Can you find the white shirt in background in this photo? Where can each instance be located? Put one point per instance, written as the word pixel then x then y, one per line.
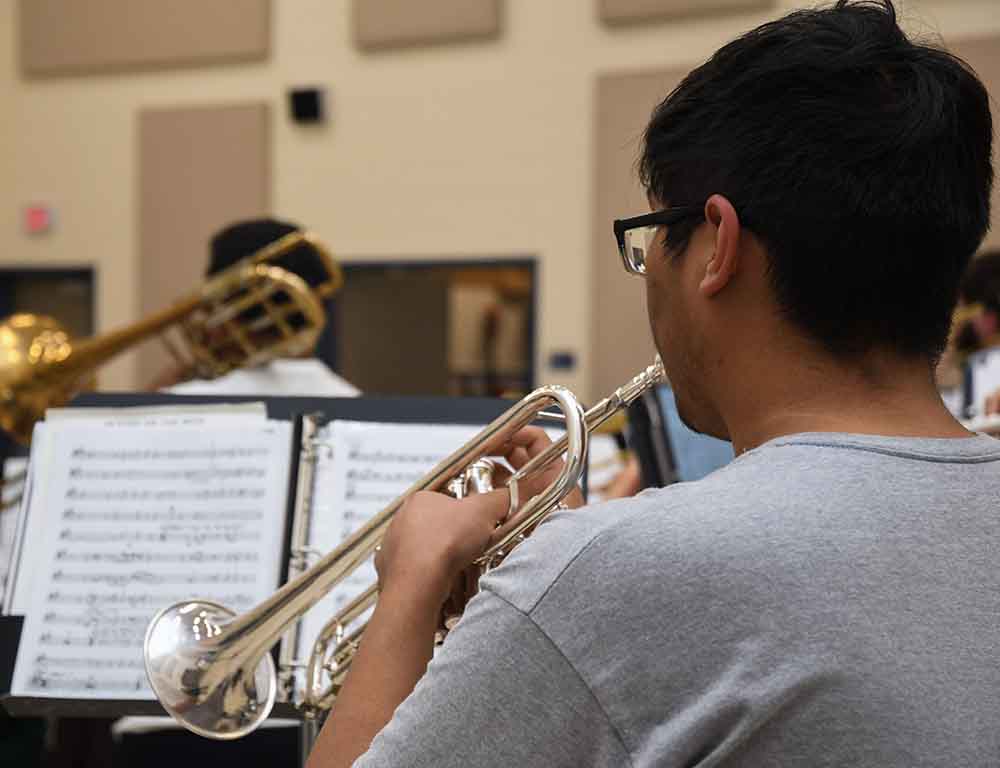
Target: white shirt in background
pixel 306 377
pixel 985 368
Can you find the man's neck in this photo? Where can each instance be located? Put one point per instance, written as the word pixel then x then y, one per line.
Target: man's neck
pixel 883 398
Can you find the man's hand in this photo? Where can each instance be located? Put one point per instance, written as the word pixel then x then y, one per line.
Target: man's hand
pixel 434 537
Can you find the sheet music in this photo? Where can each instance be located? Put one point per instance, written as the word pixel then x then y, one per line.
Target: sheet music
pixel 130 521
pixel 363 467
pixel 194 415
pixel 14 470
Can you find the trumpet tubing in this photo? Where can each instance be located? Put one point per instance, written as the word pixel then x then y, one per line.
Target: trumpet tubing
pixel 213 671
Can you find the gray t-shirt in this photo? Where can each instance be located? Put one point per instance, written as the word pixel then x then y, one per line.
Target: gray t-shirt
pixel 824 600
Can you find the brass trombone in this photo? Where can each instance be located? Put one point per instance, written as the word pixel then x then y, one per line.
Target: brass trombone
pixel 212 669
pixel 247 314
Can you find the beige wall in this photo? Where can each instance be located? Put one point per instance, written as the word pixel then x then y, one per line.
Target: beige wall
pixel 451 150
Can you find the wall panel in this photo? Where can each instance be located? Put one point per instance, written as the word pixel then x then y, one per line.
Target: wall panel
pixel 72 37
pixel 634 11
pixel 200 169
pixel 394 23
pixel 620 334
pixel 983 54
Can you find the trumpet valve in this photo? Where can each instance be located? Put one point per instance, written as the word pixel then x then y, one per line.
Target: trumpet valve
pixel 476 478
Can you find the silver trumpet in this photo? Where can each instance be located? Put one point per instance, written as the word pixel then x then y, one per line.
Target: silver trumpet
pixel 211 669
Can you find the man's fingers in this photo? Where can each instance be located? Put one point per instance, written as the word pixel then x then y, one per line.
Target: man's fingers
pixel 521 448
pixel 490 507
pixel 525 444
pixel 517 457
pixel 528 435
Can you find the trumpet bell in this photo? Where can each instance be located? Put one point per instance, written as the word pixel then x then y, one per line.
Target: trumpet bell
pixel 199 683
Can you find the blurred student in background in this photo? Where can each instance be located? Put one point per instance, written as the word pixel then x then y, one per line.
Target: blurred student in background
pixel 307 376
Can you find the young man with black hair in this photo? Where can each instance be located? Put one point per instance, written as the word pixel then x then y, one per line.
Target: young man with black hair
pixel 831 597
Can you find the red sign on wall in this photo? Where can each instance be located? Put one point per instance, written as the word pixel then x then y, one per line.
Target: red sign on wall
pixel 38 219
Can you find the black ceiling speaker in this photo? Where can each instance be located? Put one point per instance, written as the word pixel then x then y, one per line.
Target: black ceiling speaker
pixel 306 105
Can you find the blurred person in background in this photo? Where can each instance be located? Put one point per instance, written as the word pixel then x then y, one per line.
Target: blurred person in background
pixel 968 374
pixel 978 336
pixel 307 376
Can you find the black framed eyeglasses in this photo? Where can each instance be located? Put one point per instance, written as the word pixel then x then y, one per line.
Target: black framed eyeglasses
pixel 635 235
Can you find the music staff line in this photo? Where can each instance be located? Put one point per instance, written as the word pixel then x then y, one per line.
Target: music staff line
pixel 189 538
pixel 215 494
pixel 65 556
pixel 93 620
pixel 168 515
pixel 103 637
pixel 152 454
pixel 117 599
pixel 372 475
pixel 145 577
pixel 91 683
pixel 378 456
pixel 373 497
pixel 77 662
pixel 188 475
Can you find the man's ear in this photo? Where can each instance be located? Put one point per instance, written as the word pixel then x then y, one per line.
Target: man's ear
pixel 724 262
